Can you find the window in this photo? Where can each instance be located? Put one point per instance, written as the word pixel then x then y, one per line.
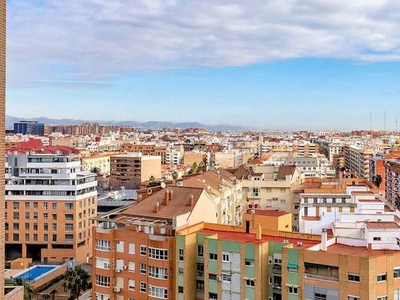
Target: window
pixel 45 237
pixel 156 253
pixel 131 249
pixel 69 206
pixel 225 257
pixel 69 237
pixel 158 292
pixel 381 277
pixel 27 205
pixel 353 298
pixel 131 266
pixel 27 226
pixel 396 273
pixel 143 250
pixel 200 267
pixel 213 256
pixel 16 216
pixel 54 226
pixel 249 263
pixel 200 285
pixel 35 226
pixel 212 276
pixel 16 205
pixel 329 209
pixel 250 282
pixel 143 287
pixel 102 280
pixel 69 217
pixel 35 237
pixel 212 296
pixel 69 227
pixel 181 252
pixel 200 250
pixel 45 226
pixel 156 272
pixel 27 216
pixel 283 201
pixel 102 245
pixel 318 296
pixel 353 277
pixel 180 289
pixel 180 271
pixel 15 237
pixel 382 298
pixel 292 290
pixel 377 238
pixel 45 205
pixel 396 294
pixel 131 284
pixel 143 268
pixel 26 237
pixel 15 226
pixel 54 205
pixel 45 216
pixel 54 237
pixel 35 205
pixel 226 277
pixel 54 216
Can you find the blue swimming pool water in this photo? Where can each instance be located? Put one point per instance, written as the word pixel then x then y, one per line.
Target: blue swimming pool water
pixel 35 272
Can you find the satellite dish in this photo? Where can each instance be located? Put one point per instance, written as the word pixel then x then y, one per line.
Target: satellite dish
pixel 163 185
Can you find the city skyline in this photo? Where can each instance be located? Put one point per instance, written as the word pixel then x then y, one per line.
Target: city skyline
pixel 263 65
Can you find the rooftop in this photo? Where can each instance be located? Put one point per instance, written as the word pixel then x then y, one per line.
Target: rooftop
pixel 382 225
pixel 357 251
pixel 251 238
pixel 270 213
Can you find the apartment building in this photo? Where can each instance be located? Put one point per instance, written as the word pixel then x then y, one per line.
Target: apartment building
pixel 189 158
pixel 358 158
pixel 224 262
pixel 331 149
pixel 99 162
pixel 392 180
pixel 226 192
pixel 377 167
pixel 146 149
pixel 134 250
pixel 311 167
pixel 130 169
pixel 270 187
pixel 305 149
pixel 323 202
pixel 49 203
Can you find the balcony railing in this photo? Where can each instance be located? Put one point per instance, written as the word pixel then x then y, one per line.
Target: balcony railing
pixel 321 277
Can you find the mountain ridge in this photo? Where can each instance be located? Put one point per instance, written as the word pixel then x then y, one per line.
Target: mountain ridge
pixel 10 120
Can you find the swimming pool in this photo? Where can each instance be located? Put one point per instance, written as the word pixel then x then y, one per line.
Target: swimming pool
pixel 35 272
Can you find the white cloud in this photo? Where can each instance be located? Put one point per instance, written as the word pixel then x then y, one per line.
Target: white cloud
pixel 95 39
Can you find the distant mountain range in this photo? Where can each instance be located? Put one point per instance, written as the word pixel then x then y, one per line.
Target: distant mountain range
pixel 10 120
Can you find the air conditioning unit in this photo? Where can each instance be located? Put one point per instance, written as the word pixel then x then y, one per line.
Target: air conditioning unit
pixel 219 278
pixel 124 267
pixel 117 270
pixel 117 289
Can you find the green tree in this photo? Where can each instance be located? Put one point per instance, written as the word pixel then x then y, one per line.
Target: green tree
pixel 29 291
pixel 175 175
pixel 96 170
pixel 46 297
pixel 76 281
pixel 152 178
pixel 194 167
pixel 377 180
pixel 397 202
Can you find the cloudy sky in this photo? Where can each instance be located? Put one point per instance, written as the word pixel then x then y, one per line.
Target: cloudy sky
pixel 263 63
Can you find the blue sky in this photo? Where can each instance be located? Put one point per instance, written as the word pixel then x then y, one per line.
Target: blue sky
pixel 264 64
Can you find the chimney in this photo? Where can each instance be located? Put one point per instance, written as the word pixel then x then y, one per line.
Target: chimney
pixel 139 197
pixel 171 194
pixel 166 197
pixel 156 208
pixel 191 200
pixel 324 239
pixel 258 232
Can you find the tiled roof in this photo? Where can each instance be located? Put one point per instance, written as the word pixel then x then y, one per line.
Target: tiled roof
pixel 177 206
pixel 286 170
pixel 383 225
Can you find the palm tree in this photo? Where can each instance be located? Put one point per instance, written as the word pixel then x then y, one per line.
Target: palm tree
pixel 397 202
pixel 152 178
pixel 29 291
pixel 76 281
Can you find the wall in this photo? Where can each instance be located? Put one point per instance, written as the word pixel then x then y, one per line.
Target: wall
pixel 150 166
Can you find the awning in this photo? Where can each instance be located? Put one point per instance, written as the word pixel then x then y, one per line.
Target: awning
pixel 292 266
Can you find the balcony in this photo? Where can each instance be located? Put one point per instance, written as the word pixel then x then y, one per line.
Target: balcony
pixel 321 277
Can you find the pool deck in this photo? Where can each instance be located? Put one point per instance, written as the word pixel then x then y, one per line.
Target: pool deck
pixel 13 272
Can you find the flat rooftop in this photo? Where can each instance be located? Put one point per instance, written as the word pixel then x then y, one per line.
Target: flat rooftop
pixel 251 238
pixel 383 225
pixel 357 251
pixel 270 213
